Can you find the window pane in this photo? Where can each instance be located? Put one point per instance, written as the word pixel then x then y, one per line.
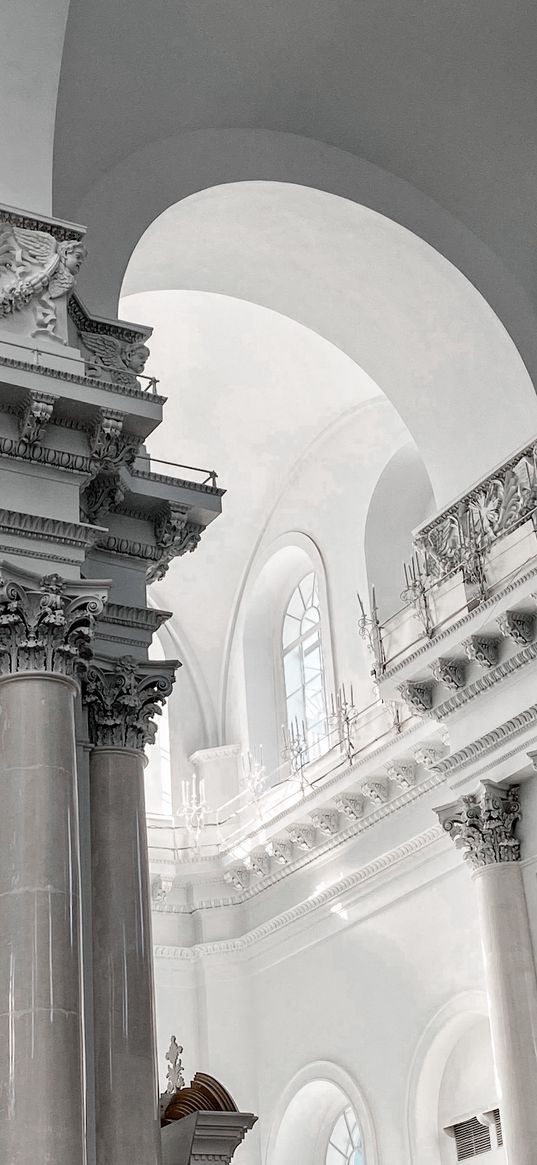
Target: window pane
pixel 291 630
pixel 340 1135
pixel 307 588
pixel 295 707
pixel 335 1156
pixel 293 670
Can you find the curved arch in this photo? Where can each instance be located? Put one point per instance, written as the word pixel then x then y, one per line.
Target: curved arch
pixel 402 498
pixel 434 1047
pixel 257 660
pixel 194 160
pixel 327 1072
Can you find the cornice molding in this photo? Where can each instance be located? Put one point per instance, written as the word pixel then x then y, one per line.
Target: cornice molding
pixel 87 381
pixel 484 682
pixel 220 752
pixel 49 529
pixel 449 632
pixel 367 873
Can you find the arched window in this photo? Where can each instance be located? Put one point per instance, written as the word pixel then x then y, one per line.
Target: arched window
pixel 345 1144
pixel 303 666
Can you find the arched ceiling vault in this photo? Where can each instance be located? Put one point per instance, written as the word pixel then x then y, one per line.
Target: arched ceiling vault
pixel 436 103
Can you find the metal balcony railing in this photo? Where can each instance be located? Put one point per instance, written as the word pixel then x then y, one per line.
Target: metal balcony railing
pixel 38 362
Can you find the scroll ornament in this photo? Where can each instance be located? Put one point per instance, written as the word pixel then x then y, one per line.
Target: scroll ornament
pixel 482 824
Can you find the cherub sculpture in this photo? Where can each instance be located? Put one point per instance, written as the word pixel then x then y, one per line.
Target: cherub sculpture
pixel 123 361
pixel 36 271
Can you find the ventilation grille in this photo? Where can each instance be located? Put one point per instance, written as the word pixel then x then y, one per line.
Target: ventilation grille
pixel 498 1126
pixel 472 1139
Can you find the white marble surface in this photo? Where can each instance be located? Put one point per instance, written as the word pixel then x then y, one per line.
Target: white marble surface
pixel 127 1124
pixel 41 1091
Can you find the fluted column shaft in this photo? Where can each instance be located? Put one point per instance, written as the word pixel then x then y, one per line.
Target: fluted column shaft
pixel 482 825
pixel 122 697
pixel 127 1125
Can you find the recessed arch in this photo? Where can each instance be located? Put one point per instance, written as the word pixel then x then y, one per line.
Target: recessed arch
pixel 308 1105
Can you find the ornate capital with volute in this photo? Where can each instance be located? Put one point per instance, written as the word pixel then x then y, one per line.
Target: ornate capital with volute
pixel 482 824
pixel 122 697
pixel 46 624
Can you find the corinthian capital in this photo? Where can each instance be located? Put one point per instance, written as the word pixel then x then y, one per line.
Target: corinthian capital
pixel 122 697
pixel 46 624
pixel 482 824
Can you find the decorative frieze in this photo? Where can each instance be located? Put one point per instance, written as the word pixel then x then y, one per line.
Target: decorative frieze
pixel 459 535
pixel 123 697
pixel 46 625
pixel 482 824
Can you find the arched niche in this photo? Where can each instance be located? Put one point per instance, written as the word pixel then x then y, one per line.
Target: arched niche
pixel 286 563
pixel 306 1112
pixel 436 1086
pixel 402 499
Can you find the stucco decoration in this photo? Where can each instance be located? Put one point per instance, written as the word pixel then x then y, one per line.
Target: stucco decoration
pixel 37 273
pixel 460 534
pixel 47 626
pixel 175 536
pixel 35 416
pixel 482 824
pixel 123 361
pixel 123 697
pixel 111 448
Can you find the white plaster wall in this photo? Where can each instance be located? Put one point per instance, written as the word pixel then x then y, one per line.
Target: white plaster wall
pixel 359 994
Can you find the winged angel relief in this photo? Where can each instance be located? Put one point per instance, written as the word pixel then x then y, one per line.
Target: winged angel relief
pixel 36 274
pixel 124 362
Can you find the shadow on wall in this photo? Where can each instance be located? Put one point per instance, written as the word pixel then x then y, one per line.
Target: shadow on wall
pixel 403 498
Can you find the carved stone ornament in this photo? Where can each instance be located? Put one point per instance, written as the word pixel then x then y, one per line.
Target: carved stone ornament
pixel 455 538
pixel 37 272
pixel 282 852
pixel 238 877
pixel 175 536
pixel 428 755
pixel 326 821
pixel 122 697
pixel 518 626
pixel 122 361
pixel 451 672
pixel 402 773
pixel 111 449
pixel 303 836
pixel 351 805
pixel 35 416
pixel 46 626
pixel 260 863
pixel 418 696
pixel 483 649
pixel 377 791
pixel 482 824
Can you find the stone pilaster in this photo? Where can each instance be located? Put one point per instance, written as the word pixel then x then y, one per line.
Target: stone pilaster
pixel 46 627
pixel 482 825
pixel 122 697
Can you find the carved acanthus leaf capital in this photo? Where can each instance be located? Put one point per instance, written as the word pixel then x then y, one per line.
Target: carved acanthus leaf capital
pixel 47 625
pixel 482 824
pixel 122 697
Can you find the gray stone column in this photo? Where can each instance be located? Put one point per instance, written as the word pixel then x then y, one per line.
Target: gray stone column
pixel 121 698
pixel 482 824
pixel 44 632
